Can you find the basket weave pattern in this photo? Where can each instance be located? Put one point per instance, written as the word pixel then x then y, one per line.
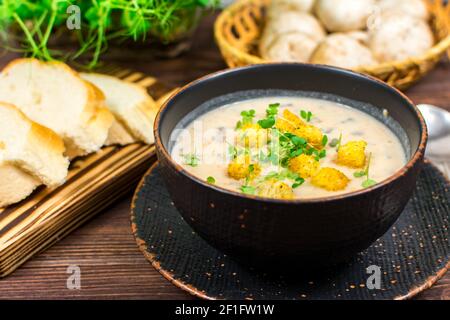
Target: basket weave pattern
pixel 239 28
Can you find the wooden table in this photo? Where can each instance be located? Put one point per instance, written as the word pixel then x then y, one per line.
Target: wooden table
pixel 105 250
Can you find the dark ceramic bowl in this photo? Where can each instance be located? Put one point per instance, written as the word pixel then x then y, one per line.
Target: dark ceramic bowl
pixel 314 231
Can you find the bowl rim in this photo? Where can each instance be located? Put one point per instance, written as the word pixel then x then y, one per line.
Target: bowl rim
pixel 412 162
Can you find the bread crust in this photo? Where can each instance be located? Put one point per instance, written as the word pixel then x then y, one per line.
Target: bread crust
pixel 17 181
pixel 42 134
pixel 95 116
pixel 15 185
pixel 147 109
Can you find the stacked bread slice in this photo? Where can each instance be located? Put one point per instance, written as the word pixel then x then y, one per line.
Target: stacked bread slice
pixel 30 155
pixel 133 108
pixel 49 114
pixel 55 96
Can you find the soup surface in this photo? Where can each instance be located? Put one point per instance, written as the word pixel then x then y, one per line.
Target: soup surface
pixel 288 148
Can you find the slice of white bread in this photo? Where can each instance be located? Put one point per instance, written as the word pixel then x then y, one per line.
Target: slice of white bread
pixel 54 95
pixel 30 155
pixel 117 134
pixel 131 105
pixel 15 184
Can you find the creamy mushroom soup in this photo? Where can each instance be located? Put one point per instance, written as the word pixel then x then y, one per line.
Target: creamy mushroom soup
pixel 288 148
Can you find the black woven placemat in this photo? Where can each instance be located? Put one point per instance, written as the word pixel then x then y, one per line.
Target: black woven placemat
pixel 411 256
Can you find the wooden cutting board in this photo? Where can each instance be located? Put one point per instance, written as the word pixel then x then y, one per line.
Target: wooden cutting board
pixel 94 183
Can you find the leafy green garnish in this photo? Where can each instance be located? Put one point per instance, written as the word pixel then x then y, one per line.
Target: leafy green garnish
pixel 282 175
pixel 359 174
pixel 336 143
pixel 320 154
pixel 232 151
pixel 306 115
pixel 285 146
pixel 267 123
pixel 298 183
pixel 296 153
pixel 211 180
pixel 286 174
pixel 273 109
pixel 191 159
pixel 271 112
pixel 367 183
pixel 297 141
pixel 248 190
pixel 324 140
pixel 247 118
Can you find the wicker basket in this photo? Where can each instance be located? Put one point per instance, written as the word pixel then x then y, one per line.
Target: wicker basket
pixel 239 27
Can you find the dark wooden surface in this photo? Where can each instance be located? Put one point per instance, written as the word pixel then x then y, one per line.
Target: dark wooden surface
pixel 105 250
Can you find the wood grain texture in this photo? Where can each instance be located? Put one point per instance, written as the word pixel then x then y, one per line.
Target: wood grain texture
pixel 111 264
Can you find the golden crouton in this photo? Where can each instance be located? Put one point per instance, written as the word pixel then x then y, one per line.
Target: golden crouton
pixel 292 118
pixel 352 154
pixel 305 166
pixel 242 168
pixel 273 188
pixel 330 179
pixel 288 122
pixel 252 135
pixel 312 134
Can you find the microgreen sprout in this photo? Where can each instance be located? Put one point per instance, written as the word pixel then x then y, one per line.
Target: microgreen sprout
pixel 211 180
pixel 247 118
pixel 336 143
pixel 248 190
pixel 271 112
pixel 232 151
pixel 267 123
pixel 359 174
pixel 191 159
pixel 298 182
pixel 285 146
pixel 306 115
pixel 367 183
pixel 324 140
pixel 273 109
pixel 286 174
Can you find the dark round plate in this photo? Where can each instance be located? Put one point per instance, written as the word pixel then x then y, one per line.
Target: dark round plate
pixel 411 256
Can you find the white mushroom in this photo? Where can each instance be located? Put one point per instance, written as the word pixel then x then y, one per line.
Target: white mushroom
pixel 290 47
pixel 278 6
pixel 291 21
pixel 400 37
pixel 344 15
pixel 415 8
pixel 361 36
pixel 342 50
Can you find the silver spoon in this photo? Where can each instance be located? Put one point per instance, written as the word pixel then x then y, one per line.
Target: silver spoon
pixel 438 123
